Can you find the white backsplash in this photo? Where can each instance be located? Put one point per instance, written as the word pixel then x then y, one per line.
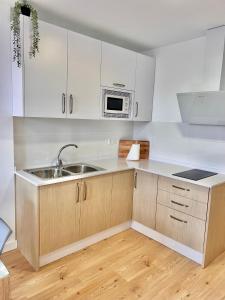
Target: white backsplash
pixel 38 140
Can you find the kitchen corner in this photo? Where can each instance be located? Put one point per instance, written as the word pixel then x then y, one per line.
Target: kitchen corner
pixel 112 182
pixel 118 188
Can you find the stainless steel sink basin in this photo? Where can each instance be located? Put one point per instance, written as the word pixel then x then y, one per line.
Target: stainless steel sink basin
pixel 48 173
pixel 82 168
pixel 69 170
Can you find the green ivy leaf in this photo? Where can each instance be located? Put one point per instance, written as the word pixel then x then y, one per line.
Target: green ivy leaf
pixel 15 28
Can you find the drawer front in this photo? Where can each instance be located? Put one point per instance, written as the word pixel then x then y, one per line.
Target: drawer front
pixel 185 189
pixel 182 204
pixel 180 227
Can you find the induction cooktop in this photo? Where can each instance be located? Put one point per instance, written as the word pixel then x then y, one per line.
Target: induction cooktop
pixel 195 174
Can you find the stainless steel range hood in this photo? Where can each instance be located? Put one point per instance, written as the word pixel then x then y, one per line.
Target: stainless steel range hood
pixel 208 105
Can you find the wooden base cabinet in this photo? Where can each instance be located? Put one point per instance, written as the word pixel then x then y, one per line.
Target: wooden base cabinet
pixel 182 212
pixel 191 207
pixel 59 215
pixel 193 215
pixel 181 227
pixel 53 216
pixel 95 202
pixel 122 197
pixel 144 199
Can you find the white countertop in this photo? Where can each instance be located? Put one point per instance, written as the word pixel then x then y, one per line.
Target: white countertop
pixel 116 165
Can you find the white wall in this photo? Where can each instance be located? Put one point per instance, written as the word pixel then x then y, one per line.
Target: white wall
pixel 7 206
pixel 37 141
pixel 179 68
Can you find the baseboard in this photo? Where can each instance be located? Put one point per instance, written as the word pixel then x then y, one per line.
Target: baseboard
pixel 55 255
pixel 10 245
pixel 162 239
pixel 178 247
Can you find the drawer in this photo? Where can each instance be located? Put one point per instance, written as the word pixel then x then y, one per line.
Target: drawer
pixel 182 204
pixel 184 189
pixel 183 228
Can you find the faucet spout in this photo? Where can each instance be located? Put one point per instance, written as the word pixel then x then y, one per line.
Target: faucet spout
pixel 59 161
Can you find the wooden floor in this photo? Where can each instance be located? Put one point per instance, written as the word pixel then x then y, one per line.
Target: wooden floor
pixel 126 266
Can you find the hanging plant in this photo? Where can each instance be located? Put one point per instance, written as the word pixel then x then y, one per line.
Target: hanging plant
pixel 25 8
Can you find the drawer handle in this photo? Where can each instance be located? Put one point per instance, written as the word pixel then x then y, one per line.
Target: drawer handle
pixel 78 193
pixel 180 188
pixel 85 192
pixel 180 204
pixel 119 84
pixel 71 103
pixel 177 219
pixel 63 103
pixel 136 114
pixel 135 180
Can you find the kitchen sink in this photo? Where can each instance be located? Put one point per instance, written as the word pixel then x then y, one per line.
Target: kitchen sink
pixel 49 173
pixel 69 170
pixel 82 168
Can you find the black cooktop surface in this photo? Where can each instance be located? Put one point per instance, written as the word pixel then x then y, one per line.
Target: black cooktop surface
pixel 195 174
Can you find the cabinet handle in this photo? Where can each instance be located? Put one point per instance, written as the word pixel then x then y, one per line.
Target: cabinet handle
pixel 119 84
pixel 177 219
pixel 135 180
pixel 78 193
pixel 85 192
pixel 63 103
pixel 180 188
pixel 180 204
pixel 136 113
pixel 71 103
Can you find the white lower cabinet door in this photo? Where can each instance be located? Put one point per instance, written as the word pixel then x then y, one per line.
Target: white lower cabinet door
pixel 83 93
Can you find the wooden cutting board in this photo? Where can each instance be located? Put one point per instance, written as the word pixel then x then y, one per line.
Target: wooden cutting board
pixel 125 145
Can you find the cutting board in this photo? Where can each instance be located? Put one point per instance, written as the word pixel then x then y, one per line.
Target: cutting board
pixel 125 145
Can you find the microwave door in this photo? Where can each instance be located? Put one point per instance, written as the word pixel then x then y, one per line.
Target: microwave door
pixel 114 104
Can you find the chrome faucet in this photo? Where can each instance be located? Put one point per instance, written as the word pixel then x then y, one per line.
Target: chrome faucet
pixel 59 161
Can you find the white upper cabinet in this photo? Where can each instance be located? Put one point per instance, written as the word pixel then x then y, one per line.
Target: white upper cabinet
pixel 118 67
pixel 83 92
pixel 64 79
pixel 144 88
pixel 45 75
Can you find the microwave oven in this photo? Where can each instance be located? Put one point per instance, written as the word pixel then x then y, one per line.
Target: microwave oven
pixel 116 103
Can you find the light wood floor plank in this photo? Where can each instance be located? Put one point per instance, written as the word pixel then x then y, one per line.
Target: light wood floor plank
pixel 127 266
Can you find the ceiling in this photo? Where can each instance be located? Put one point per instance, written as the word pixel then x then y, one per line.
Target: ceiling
pixel 135 24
